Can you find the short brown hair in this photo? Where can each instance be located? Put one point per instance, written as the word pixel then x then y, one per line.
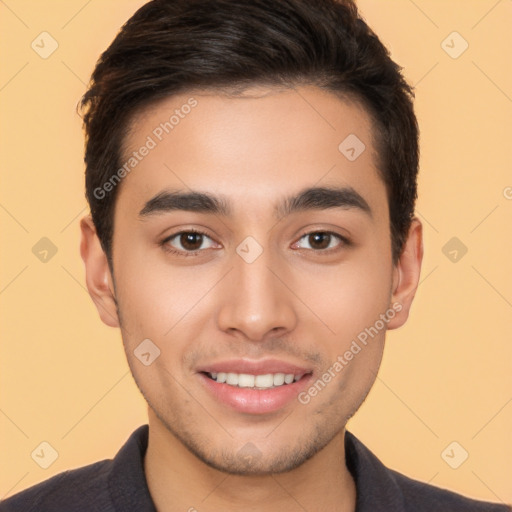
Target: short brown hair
pixel 171 46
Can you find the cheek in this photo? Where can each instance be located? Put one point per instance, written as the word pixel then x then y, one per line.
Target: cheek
pixel 153 297
pixel 350 301
pixel 351 296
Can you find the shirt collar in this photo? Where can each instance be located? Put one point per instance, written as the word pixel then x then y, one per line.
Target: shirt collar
pixel 127 481
pixel 376 488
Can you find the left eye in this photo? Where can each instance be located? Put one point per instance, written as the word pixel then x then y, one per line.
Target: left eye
pixel 321 240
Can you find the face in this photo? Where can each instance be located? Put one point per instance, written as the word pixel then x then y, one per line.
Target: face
pixel 249 249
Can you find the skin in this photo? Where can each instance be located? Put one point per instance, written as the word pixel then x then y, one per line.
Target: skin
pixel 292 303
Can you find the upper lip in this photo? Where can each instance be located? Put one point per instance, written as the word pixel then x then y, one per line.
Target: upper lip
pixel 254 367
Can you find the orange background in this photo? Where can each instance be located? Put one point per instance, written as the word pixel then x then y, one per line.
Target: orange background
pixel 446 375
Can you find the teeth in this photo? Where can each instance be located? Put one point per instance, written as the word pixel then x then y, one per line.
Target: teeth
pixel 245 380
pixel 232 378
pixel 264 381
pixel 278 379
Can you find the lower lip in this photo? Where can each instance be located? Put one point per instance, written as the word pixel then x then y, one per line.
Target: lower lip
pixel 255 401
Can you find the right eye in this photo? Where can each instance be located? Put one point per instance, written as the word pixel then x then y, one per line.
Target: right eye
pixel 186 243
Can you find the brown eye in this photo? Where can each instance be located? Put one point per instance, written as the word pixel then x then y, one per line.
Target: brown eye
pixel 187 242
pixel 319 240
pixel 323 240
pixel 191 241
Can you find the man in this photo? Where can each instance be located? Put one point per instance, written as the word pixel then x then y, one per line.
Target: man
pixel 251 172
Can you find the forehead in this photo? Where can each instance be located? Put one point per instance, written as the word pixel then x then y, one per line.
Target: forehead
pixel 251 147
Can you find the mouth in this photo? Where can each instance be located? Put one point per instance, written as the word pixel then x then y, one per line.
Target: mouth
pixel 246 380
pixel 254 387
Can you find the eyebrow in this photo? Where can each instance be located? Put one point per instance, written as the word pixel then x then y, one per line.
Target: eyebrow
pixel 312 198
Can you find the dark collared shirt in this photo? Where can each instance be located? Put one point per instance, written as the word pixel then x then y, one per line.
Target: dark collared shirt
pixel 119 485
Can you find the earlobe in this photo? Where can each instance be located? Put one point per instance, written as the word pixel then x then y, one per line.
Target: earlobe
pixel 406 274
pixel 97 273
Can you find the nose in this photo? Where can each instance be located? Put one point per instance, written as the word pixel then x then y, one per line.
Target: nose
pixel 256 300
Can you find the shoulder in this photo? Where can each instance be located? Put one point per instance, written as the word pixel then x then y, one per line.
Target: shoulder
pixel 81 489
pixel 107 485
pixel 423 497
pixel 381 488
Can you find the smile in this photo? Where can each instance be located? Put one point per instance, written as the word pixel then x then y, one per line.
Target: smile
pixel 245 380
pixel 254 394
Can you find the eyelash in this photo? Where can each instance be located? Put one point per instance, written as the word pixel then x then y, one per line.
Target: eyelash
pixel 165 243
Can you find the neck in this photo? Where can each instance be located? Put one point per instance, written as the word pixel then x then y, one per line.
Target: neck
pixel 179 481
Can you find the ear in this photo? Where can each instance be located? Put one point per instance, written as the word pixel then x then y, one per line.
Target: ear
pixel 406 274
pixel 97 273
